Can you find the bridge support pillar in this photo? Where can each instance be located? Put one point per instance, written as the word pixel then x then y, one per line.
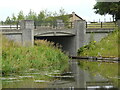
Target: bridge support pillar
pixel 27 27
pixel 80 31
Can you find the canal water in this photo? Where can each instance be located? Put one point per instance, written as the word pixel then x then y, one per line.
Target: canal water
pixel 76 77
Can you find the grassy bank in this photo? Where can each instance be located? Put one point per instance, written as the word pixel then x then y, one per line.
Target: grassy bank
pixel 107 47
pixel 44 56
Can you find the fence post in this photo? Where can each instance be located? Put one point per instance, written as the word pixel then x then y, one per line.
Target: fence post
pixel 101 24
pixel 86 24
pixel 10 24
pixel 27 27
pixel 71 25
pixel 17 25
pixel 35 25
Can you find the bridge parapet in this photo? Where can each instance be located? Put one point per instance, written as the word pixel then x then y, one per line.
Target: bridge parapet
pixel 53 25
pixel 54 32
pixel 11 30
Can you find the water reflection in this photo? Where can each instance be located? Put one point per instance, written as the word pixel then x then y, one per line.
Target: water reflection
pixel 75 78
pixel 78 73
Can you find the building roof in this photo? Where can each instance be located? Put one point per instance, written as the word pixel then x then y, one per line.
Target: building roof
pixel 73 13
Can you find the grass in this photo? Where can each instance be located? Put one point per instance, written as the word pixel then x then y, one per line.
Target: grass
pixel 44 56
pixel 107 47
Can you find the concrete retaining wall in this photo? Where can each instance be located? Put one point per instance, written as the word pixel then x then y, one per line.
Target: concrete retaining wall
pixel 15 37
pixel 24 36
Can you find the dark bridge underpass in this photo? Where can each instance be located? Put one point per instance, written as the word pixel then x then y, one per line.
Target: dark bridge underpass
pixel 67 43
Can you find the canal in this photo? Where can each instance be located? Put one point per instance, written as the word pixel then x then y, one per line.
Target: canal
pixel 77 77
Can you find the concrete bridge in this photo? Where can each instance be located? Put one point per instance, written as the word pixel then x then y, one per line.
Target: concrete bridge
pixel 70 39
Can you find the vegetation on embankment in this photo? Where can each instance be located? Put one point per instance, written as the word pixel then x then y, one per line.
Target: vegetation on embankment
pixel 107 47
pixel 44 56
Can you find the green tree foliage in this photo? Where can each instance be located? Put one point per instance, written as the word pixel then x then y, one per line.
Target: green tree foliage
pixel 63 15
pixel 112 8
pixel 13 19
pixel 41 16
pixel 31 16
pixel 20 16
pixel 8 20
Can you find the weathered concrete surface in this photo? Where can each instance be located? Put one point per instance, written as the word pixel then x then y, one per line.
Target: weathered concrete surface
pixel 27 27
pixel 80 29
pixel 54 32
pixel 17 37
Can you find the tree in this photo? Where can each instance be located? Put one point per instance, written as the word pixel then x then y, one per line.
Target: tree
pixel 63 15
pixel 31 16
pixel 8 20
pixel 41 16
pixel 112 8
pixel 20 16
pixel 13 19
pixel 62 11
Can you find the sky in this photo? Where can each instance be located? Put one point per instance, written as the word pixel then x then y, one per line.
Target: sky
pixel 83 8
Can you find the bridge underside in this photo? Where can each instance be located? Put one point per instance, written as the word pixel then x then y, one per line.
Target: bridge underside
pixel 67 42
pixel 54 33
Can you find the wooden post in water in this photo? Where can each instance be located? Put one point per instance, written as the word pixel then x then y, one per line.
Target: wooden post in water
pixel 101 24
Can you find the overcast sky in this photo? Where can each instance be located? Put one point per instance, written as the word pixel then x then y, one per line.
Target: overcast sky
pixel 83 8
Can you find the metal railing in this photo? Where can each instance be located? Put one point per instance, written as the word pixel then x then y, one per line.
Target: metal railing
pixel 10 25
pixel 101 25
pixel 53 25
